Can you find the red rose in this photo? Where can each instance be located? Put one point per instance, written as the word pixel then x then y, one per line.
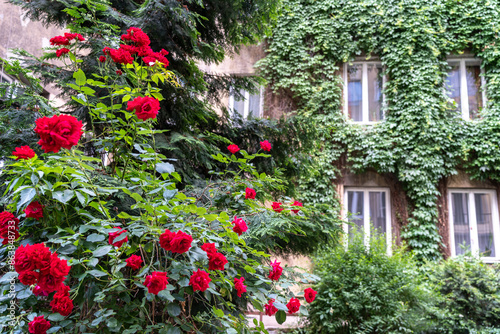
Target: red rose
pixel 61 303
pixel 163 52
pixel 106 50
pixel 296 203
pixel 145 107
pixel 41 256
pixel 61 52
pixel 156 282
pixel 209 248
pixel 22 259
pixel 250 193
pixel 240 287
pixel 34 210
pixel 120 56
pixel 265 145
pixel 216 261
pixel 59 40
pixel 39 325
pixel 28 277
pixel 137 36
pixel 233 148
pixel 49 282
pixel 152 57
pixel 80 37
pixel 199 280
pixel 181 243
pixel 58 267
pixel 102 59
pixel 270 308
pixel 23 152
pixel 310 295
pixel 134 262
pixel 114 235
pixel 71 36
pixel 58 131
pixel 275 273
pixel 38 291
pixel 239 226
pixel 293 305
pixel 119 72
pixel 166 240
pixel 9 227
pixel 277 206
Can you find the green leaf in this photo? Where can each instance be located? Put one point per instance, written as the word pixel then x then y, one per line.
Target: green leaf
pixel 63 196
pixel 67 249
pixel 174 309
pixel 101 251
pixel 27 195
pixel 97 273
pixel 94 237
pixel 80 77
pixel 56 317
pixel 280 317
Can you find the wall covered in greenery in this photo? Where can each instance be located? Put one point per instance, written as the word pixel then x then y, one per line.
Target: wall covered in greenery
pixel 421 141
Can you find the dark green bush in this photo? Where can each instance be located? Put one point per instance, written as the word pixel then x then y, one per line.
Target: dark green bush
pixel 469 296
pixel 362 290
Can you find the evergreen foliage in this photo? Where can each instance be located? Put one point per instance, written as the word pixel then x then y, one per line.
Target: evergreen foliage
pixel 421 141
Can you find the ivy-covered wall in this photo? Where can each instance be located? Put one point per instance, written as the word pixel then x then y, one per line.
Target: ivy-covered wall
pixel 422 141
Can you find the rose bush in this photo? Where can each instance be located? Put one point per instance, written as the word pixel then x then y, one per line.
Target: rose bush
pixel 173 261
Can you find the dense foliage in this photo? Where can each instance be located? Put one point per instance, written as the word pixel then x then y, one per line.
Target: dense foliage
pixel 421 141
pixel 362 290
pixel 118 247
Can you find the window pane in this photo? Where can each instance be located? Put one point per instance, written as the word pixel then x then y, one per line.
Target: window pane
pixel 377 211
pixel 460 204
pixel 484 224
pixel 374 92
pixel 453 84
pixel 254 105
pixel 355 92
pixel 355 207
pixel 239 104
pixel 474 89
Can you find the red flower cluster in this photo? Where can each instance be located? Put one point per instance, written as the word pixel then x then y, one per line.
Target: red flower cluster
pixel 200 280
pixel 270 308
pixel 296 203
pixel 23 152
pixel 216 261
pixel 239 225
pixel 35 264
pixel 179 242
pixel 293 305
pixel 64 40
pixel 114 235
pixel 34 210
pixel 134 262
pixel 240 287
pixel 275 273
pixel 145 107
pixel 250 193
pixel 265 145
pixel 233 148
pixel 39 325
pixel 277 206
pixel 310 295
pixel 139 45
pixel 58 131
pixel 61 303
pixel 9 226
pixel 156 282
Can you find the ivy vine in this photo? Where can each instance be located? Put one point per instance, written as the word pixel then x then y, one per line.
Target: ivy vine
pixel 421 141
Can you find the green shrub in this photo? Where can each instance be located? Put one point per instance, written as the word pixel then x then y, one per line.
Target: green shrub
pixel 362 290
pixel 470 296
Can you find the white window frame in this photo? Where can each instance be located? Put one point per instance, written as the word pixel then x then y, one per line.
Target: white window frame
pixel 464 94
pixel 364 89
pixel 246 106
pixel 473 221
pixel 366 214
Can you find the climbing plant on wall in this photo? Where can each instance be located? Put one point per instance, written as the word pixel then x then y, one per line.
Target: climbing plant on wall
pixel 421 140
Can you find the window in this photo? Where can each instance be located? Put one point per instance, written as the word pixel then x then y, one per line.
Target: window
pixel 464 85
pixel 474 223
pixel 250 104
pixel 363 92
pixel 369 206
